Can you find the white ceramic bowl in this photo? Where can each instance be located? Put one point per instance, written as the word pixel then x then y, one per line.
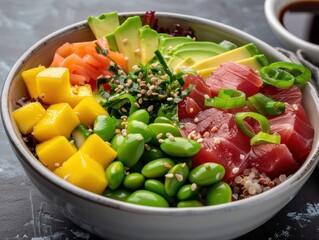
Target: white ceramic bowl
pixel 113 219
pixel 290 41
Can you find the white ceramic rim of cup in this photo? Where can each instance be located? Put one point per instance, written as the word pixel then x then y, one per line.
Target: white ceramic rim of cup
pixel 41 170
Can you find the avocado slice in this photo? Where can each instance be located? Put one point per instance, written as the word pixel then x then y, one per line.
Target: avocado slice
pixel 198 45
pixel 112 42
pixel 239 53
pixel 127 38
pixel 186 63
pixel 149 43
pixel 167 43
pixel 256 63
pixel 197 55
pixel 103 24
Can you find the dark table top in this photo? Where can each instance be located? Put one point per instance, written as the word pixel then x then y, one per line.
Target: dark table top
pixel 24 213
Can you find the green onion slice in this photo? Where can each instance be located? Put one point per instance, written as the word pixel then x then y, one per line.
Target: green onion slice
pixel 262 120
pixel 301 73
pixel 263 138
pixel 227 98
pixel 265 105
pixel 276 77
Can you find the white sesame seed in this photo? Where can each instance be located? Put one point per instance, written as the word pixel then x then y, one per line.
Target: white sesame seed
pixel 147 147
pixel 66 177
pixel 169 175
pixel 206 96
pixel 191 110
pixel 196 120
pixel 160 140
pixel 150 108
pixel 179 177
pixel 193 187
pixel 217 140
pixel 158 136
pixel 137 51
pixel 200 140
pixel 125 40
pixel 183 164
pixel 167 165
pixel 137 105
pixel 57 164
pixel 171 138
pixel 139 138
pixel 242 156
pixel 170 99
pixel 295 107
pixel 206 134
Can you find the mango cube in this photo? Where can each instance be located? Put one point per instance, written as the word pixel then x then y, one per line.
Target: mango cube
pixel 54 152
pixel 88 109
pixel 28 116
pixel 54 84
pixel 84 172
pixel 60 120
pixel 95 147
pixel 29 78
pixel 78 93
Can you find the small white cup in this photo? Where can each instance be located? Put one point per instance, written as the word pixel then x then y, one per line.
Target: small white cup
pixel 273 9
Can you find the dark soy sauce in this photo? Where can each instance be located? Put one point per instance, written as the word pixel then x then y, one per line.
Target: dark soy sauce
pixel 302 20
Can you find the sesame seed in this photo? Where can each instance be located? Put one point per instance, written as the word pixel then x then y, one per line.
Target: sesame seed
pixel 193 187
pixel 136 68
pixel 167 165
pixel 217 140
pixel 207 165
pixel 214 129
pixel 72 142
pixel 179 177
pixel 57 164
pixel 191 110
pixel 196 120
pixel 160 140
pixel 140 100
pixel 123 110
pixel 147 147
pixel 295 107
pixel 242 156
pixel 158 136
pixel 206 134
pixel 183 164
pixel 150 108
pixel 171 138
pixel 282 177
pixel 137 51
pixel 161 96
pixel 170 99
pixel 206 96
pixel 200 140
pixel 126 58
pixel 137 105
pixel 149 92
pixel 169 175
pixel 143 91
pixel 125 40
pixel 66 177
pixel 139 138
pixel 235 170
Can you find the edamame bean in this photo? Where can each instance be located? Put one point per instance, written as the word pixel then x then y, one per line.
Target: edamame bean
pixel 162 130
pixel 188 191
pixel 104 126
pixel 180 147
pixel 175 178
pixel 147 198
pixel 156 186
pixel 115 174
pixel 140 115
pixel 207 174
pixel 134 181
pixel 162 119
pixel 117 141
pixel 189 203
pixel 219 193
pixel 152 153
pixel 131 149
pixel 118 194
pixel 135 126
pixel 157 168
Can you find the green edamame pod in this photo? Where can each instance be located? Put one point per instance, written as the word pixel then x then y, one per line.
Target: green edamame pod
pixel 162 130
pixel 115 174
pixel 218 193
pixel 189 203
pixel 131 149
pixel 188 191
pixel 152 153
pixel 157 168
pixel 162 119
pixel 135 126
pixel 175 178
pixel 158 187
pixel 140 115
pixel 118 194
pixel 134 181
pixel 180 147
pixel 117 141
pixel 104 126
pixel 207 174
pixel 147 198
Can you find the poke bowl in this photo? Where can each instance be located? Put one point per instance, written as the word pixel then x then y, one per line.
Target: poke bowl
pixel 88 205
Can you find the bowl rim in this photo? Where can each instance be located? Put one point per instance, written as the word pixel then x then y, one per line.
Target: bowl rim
pixel 272 15
pixel 26 156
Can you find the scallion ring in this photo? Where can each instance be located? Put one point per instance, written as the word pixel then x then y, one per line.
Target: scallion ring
pixel 276 77
pixel 301 73
pixel 227 98
pixel 263 138
pixel 262 120
pixel 265 105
